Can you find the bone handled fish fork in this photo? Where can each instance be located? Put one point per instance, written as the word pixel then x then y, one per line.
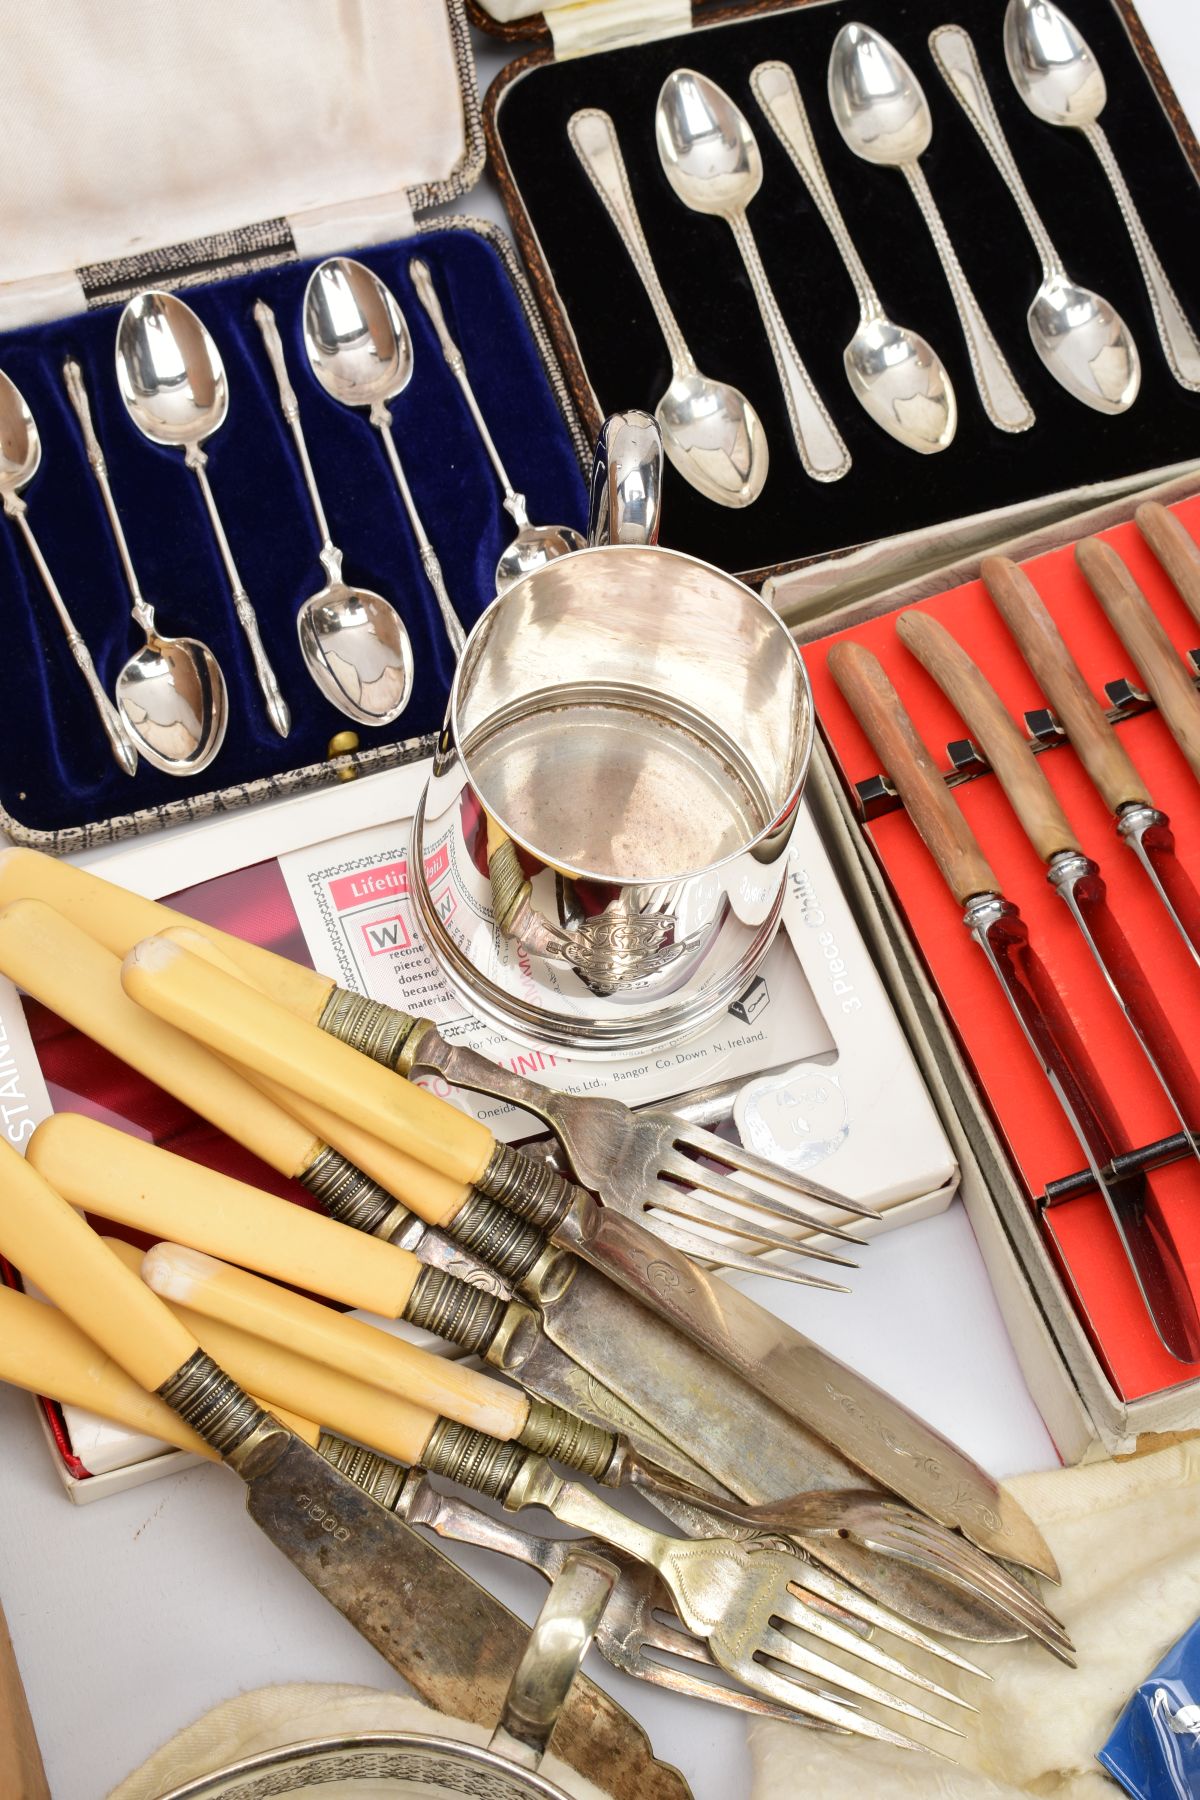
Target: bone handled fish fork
pixel 630 1630
pixel 637 1162
pixel 724 1592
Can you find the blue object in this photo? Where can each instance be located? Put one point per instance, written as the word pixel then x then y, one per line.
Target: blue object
pixel 56 770
pixel 1154 1750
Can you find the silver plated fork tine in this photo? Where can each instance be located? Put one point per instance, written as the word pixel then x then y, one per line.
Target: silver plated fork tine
pixel 686 1204
pixel 781 1648
pixel 708 1250
pixel 832 1587
pixel 955 1554
pixel 686 1169
pixel 736 1156
pixel 701 1687
pixel 779 1683
pixel 792 1610
pixel 1018 1604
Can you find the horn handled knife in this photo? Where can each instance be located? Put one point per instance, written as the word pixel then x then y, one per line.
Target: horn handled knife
pixel 997 927
pixel 457 1646
pixel 1157 660
pixel 1175 548
pixel 1140 824
pixel 1073 875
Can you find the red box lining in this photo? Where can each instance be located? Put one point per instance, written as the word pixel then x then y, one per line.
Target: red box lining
pixel 1039 1139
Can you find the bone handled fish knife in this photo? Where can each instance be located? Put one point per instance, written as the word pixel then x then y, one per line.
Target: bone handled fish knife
pixel 864 1424
pixel 1140 823
pixel 998 929
pixel 457 1646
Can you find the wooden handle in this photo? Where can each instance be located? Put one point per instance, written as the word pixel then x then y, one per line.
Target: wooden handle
pixel 134 1183
pixel 284 1380
pixel 119 920
pixel 44 1352
pixel 433 1197
pixel 364 1352
pixel 1175 549
pixel 248 1028
pixel 22 1774
pixel 68 971
pixel 914 774
pixel 1079 712
pixel 1155 655
pixel 53 1247
pixel 993 729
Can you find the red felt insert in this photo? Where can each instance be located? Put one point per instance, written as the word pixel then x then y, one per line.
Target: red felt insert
pixel 1039 1139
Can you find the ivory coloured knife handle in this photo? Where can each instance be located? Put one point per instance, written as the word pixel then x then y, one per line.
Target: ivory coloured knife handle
pixel 993 729
pixel 916 777
pixel 125 1179
pixel 419 1187
pixel 119 919
pixel 57 962
pixel 289 1384
pixel 1175 549
pixel 1081 715
pixel 251 1029
pixel 1154 654
pixel 54 1247
pixel 361 1352
pixel 44 1352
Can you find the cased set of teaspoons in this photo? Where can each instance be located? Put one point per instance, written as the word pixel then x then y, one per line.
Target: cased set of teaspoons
pixel 736 145
pixel 236 632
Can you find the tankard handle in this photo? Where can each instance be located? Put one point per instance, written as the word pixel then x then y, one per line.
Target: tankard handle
pixel 557 1645
pixel 626 494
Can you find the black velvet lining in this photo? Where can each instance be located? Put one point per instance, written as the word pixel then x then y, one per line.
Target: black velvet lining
pixel 889 489
pixel 57 770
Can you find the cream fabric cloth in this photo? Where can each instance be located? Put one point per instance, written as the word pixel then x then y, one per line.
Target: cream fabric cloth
pixel 270 1717
pixel 1127 1539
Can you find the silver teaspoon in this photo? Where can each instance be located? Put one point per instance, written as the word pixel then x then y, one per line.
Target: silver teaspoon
pixel 353 641
pixel 711 433
pixel 1061 83
pixel 171 692
pixel 360 352
pixel 881 111
pixel 20 456
pixel 1079 335
pixel 173 384
pixel 533 544
pixel 711 158
pixel 895 375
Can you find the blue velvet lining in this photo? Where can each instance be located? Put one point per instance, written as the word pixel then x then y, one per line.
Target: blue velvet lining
pixel 57 770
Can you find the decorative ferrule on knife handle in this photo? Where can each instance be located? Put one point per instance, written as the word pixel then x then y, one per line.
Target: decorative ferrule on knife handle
pixel 497 1236
pixel 222 1413
pixel 451 1309
pixel 378 1031
pixel 561 1436
pixel 1081 715
pixel 913 772
pixel 994 729
pixel 1155 656
pixel 352 1197
pixel 531 1189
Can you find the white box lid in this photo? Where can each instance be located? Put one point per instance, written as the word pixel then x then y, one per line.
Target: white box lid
pixel 137 125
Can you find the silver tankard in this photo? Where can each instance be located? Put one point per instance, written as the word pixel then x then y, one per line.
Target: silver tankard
pixel 600 853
